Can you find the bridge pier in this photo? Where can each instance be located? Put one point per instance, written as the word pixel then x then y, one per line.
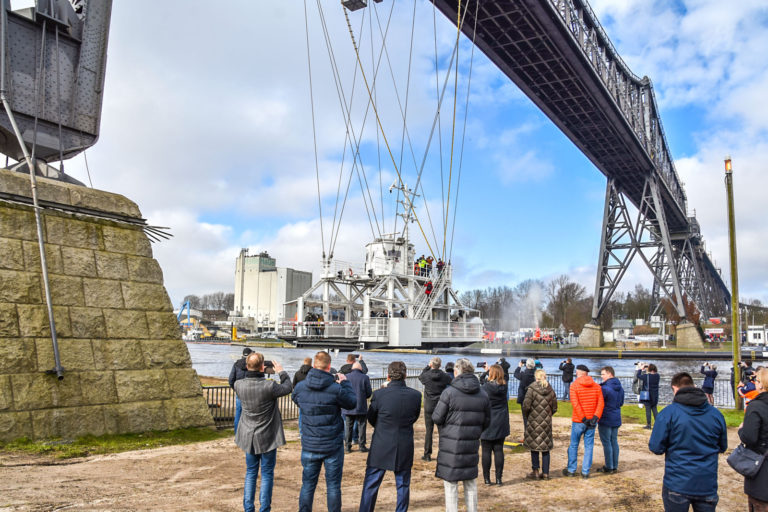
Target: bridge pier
pixel 591 336
pixel 688 336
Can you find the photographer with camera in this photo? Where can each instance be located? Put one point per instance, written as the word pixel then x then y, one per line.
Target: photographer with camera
pixel 708 386
pixel 261 426
pixel 525 373
pixel 649 393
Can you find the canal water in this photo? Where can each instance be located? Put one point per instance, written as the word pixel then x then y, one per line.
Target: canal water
pixel 217 360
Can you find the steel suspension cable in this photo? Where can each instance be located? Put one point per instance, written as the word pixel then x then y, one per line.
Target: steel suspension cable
pixel 314 129
pixel 378 120
pixel 464 129
pixel 346 110
pixel 365 117
pixel 439 119
pixel 407 96
pixel 453 121
pixel 378 142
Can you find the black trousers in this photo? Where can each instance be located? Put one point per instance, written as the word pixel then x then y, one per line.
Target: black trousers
pixel 544 461
pixel 430 426
pixel 496 447
pixel 650 409
pixel 350 420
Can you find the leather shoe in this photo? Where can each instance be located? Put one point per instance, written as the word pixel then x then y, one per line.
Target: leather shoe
pixel 426 458
pixel 349 449
pixel 568 473
pixel 498 481
pixel 487 480
pixel 585 476
pixel 363 449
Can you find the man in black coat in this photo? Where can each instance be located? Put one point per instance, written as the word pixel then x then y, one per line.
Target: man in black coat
pixel 238 372
pixel 462 412
pixel 361 385
pixel 435 381
pixel 526 374
pixel 393 411
pixel 505 367
pixel 567 368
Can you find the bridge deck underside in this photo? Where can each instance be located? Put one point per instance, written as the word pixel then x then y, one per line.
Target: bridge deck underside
pixel 533 49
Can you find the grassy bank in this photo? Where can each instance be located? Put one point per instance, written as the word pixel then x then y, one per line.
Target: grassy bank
pixel 632 413
pixel 112 443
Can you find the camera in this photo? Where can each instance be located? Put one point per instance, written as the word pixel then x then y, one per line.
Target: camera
pixel 523 361
pixel 356 356
pixel 269 364
pixel 481 364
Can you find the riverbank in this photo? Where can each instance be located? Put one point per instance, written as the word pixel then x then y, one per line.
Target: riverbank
pixel 209 476
pixel 651 354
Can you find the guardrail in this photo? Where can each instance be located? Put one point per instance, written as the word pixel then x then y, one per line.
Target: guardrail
pixel 221 399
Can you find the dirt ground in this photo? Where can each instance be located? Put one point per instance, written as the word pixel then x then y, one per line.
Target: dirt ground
pixel 209 476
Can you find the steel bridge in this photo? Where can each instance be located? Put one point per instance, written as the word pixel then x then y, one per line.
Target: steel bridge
pixel 557 53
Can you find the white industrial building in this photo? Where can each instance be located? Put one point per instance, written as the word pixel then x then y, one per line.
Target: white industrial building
pixel 262 288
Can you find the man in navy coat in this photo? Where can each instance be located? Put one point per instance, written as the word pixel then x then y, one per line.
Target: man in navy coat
pixel 393 411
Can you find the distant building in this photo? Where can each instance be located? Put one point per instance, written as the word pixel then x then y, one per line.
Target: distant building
pixel 756 334
pixel 621 328
pixel 261 289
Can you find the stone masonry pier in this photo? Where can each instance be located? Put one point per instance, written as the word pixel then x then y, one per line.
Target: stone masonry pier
pixel 126 367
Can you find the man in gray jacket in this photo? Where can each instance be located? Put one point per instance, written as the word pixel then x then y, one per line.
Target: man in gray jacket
pixel 261 428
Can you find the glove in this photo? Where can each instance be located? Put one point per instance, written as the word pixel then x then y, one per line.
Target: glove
pixel 584 420
pixel 592 422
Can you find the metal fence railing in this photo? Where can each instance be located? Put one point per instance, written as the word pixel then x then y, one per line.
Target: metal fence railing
pixel 221 399
pixel 221 403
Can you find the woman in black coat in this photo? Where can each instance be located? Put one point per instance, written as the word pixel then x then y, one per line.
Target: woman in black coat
pixel 492 438
pixel 650 383
pixel 754 434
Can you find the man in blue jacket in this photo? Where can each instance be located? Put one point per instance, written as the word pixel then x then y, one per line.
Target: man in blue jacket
pixel 610 421
pixel 361 385
pixel 690 433
pixel 321 398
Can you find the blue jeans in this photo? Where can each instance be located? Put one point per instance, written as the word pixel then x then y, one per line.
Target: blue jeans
pixel 372 482
pixel 267 461
pixel 238 412
pixel 677 502
pixel 609 436
pixel 334 465
pixel 578 430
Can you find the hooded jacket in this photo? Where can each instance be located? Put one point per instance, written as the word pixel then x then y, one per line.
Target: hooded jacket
pixel 462 412
pixel 690 433
pixel 538 407
pixel 321 399
pixel 613 397
pixel 499 426
pixel 754 434
pixel 237 372
pixel 435 381
pixel 586 398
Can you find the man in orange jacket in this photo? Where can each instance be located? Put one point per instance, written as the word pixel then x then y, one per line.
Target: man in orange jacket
pixel 587 401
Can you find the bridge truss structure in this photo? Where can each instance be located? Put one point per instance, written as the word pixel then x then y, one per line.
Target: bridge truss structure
pixel 558 54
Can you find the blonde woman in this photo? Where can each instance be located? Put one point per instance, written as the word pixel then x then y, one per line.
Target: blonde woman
pixel 492 438
pixel 539 405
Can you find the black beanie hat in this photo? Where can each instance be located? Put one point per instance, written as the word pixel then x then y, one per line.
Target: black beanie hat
pixel 582 368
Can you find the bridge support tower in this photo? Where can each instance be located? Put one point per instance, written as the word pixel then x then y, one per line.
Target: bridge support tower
pixel 644 233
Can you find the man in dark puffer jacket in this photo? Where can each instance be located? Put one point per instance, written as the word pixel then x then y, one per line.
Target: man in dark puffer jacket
pixel 754 434
pixel 320 399
pixel 435 381
pixel 690 433
pixel 462 412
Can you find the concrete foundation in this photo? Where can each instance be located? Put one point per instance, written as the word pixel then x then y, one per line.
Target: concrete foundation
pixel 126 367
pixel 591 336
pixel 688 336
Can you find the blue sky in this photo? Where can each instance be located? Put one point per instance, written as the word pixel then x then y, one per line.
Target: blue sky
pixel 207 126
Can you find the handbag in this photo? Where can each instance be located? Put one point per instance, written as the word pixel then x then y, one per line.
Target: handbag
pixel 745 461
pixel 645 396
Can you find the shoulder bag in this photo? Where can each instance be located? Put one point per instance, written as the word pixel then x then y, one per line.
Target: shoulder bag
pixel 745 461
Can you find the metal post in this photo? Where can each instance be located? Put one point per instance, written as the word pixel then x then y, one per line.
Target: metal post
pixel 735 324
pixel 33 183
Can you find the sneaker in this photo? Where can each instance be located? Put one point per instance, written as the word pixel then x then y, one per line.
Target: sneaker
pixel 544 476
pixel 585 476
pixel 533 475
pixel 647 427
pixel 604 470
pixel 568 473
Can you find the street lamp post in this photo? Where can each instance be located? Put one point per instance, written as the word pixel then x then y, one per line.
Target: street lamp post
pixel 735 324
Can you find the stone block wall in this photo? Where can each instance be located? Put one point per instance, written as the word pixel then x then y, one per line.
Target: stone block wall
pixel 126 367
